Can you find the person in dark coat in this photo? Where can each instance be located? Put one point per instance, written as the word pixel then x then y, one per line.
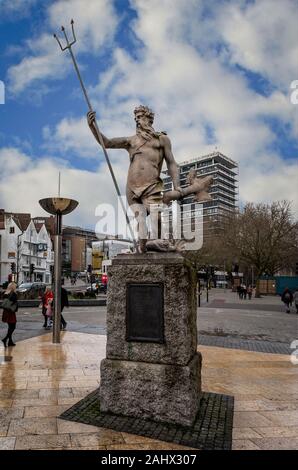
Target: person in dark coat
pixel 295 298
pixel 64 303
pixel 9 314
pixel 239 291
pixel 287 298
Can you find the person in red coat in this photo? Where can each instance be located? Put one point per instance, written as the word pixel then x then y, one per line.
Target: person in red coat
pixel 10 307
pixel 47 298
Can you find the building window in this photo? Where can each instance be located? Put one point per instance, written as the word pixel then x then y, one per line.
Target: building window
pixel 11 229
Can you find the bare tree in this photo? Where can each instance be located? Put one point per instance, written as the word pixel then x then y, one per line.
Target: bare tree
pixel 261 236
pixel 264 236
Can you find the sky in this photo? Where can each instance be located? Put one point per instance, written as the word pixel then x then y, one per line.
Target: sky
pixel 217 74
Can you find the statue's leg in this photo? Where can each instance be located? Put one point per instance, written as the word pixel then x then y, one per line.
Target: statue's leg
pixel 154 205
pixel 139 211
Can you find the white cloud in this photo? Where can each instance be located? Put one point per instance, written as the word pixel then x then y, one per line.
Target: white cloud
pixel 12 161
pixel 262 36
pixel 71 135
pixel 46 64
pixel 96 23
pixel 24 181
pixel 278 181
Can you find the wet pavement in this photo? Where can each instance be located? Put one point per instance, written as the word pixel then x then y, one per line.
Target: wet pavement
pixel 40 380
pixel 246 353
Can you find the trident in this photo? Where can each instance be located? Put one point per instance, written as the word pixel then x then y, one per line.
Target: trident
pixel 68 46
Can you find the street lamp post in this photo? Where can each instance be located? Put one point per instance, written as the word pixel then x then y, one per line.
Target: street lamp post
pixel 57 206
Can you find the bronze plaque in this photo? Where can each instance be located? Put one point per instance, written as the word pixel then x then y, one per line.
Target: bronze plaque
pixel 144 312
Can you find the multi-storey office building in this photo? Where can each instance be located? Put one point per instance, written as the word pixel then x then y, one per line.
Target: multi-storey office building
pixel 224 189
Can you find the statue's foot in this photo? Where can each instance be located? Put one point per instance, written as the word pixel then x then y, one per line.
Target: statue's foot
pixel 157 245
pixel 142 246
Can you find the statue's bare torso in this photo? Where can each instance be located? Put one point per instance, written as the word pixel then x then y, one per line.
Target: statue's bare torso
pixel 147 150
pixel 146 159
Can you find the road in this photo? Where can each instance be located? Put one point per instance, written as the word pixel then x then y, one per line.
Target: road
pixel 224 316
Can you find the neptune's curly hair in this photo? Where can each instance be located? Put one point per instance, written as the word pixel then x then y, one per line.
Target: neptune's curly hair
pixel 147 111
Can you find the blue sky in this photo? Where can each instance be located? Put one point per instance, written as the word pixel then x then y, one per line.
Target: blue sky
pixel 217 74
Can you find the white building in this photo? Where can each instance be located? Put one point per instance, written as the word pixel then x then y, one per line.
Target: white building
pixel 30 246
pixel 112 247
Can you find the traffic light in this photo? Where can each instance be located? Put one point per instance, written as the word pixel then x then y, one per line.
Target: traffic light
pixel 32 268
pixel 13 267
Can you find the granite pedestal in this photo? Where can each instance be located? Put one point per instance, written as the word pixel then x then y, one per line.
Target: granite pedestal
pixel 152 368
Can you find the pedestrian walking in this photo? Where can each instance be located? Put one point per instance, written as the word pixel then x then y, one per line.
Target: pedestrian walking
pixel 287 299
pixel 10 307
pixel 46 298
pixel 244 291
pixel 249 292
pixel 295 297
pixel 239 291
pixel 49 313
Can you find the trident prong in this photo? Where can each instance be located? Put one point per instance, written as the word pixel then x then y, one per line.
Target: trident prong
pixel 68 44
pixel 73 32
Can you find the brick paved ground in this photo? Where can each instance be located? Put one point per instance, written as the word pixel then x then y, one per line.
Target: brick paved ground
pixel 212 429
pixel 40 380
